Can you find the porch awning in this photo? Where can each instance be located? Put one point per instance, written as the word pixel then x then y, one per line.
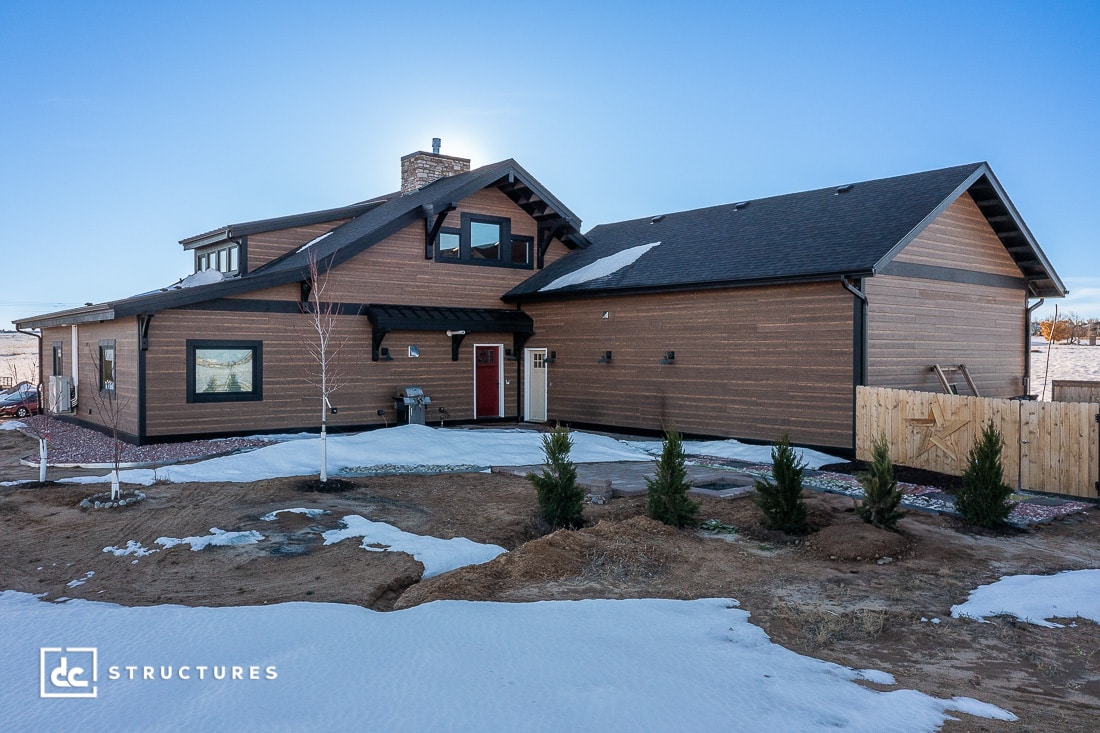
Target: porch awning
pixel 459 321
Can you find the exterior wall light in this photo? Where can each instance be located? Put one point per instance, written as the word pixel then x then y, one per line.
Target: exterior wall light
pixel 670 357
pixel 606 358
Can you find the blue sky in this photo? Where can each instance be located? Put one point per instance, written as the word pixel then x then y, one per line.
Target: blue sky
pixel 129 126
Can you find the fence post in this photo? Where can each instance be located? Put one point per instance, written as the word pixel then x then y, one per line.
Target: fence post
pixel 1097 486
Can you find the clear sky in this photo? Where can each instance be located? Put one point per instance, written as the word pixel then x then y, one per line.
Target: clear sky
pixel 127 126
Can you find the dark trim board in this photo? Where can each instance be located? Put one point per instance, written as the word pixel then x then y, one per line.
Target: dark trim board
pixel 953 275
pixel 568 294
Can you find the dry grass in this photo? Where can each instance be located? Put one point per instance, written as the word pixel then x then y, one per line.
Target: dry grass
pixel 822 627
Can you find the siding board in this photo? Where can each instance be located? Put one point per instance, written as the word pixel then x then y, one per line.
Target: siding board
pixel 750 363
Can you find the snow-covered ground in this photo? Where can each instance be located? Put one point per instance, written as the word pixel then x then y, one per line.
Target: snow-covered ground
pixel 1074 363
pixel 1036 598
pixel 18 356
pixel 408 446
pixel 597 665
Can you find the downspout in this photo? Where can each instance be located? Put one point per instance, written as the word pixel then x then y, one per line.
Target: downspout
pixel 1027 342
pixel 859 345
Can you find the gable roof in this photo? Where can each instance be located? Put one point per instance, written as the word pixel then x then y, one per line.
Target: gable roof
pixel 853 230
pixel 376 220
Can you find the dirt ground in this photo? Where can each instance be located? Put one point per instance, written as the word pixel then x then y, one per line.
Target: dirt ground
pixel 833 595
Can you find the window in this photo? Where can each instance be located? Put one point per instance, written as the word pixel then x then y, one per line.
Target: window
pixel 58 359
pixel 107 366
pixel 224 371
pixel 450 244
pixel 224 259
pixel 485 240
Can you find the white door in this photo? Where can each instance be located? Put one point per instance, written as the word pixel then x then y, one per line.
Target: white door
pixel 535 393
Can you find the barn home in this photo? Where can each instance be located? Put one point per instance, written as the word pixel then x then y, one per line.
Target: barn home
pixel 746 320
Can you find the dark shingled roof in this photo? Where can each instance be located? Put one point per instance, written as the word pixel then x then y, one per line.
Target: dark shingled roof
pixel 375 221
pixel 852 230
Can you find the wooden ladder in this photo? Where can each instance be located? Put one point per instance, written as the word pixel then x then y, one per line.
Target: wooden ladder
pixel 948 387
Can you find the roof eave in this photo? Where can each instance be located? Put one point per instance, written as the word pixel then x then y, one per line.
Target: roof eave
pixel 91 314
pixel 567 294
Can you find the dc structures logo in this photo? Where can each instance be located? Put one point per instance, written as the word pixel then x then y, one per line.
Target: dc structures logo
pixel 68 672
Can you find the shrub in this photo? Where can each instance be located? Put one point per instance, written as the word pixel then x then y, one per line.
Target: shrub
pixel 781 500
pixel 881 495
pixel 561 501
pixel 983 498
pixel 667 490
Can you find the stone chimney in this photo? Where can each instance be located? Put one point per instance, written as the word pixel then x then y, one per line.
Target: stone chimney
pixel 419 169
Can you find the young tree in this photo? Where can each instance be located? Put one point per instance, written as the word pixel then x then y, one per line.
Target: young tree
pixel 667 490
pixel 561 501
pixel 781 500
pixel 324 348
pixel 983 498
pixel 110 408
pixel 881 495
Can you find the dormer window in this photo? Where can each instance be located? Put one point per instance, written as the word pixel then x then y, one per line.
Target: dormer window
pixel 224 259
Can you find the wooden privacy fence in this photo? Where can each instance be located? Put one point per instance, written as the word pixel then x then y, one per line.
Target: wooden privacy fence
pixel 1048 446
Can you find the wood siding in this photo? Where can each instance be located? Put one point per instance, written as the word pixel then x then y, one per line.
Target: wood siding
pixel 124 334
pixel 395 271
pixel 289 401
pixel 266 246
pixel 914 323
pixel 750 362
pixel 961 238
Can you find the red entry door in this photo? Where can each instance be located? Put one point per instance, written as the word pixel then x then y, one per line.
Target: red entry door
pixel 487 381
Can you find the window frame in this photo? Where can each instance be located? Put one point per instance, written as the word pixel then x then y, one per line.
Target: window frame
pixel 107 387
pixel 220 259
pixel 58 349
pixel 257 393
pixel 507 240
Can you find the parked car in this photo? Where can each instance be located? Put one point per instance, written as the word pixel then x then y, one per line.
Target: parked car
pixel 19 402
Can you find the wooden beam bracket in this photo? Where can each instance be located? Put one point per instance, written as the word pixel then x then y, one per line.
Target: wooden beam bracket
pixel 376 337
pixel 432 224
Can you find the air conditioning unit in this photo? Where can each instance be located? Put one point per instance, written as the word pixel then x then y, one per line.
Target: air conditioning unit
pixel 61 388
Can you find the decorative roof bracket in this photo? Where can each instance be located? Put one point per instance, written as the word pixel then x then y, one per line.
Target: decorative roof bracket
pixel 432 224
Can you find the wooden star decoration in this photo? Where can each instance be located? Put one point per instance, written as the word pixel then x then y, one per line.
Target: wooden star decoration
pixel 937 430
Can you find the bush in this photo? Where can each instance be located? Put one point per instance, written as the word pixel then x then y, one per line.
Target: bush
pixel 881 495
pixel 781 500
pixel 561 501
pixel 983 498
pixel 667 490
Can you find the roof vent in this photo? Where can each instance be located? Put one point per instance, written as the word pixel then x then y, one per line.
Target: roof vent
pixel 740 205
pixel 843 189
pixel 657 218
pixel 436 143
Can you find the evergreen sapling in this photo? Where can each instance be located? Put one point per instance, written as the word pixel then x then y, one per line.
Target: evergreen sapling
pixel 983 498
pixel 667 490
pixel 781 499
pixel 881 495
pixel 561 501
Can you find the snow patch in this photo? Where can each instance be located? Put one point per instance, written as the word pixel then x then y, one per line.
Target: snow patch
pixel 601 268
pixel 456 665
pixel 314 241
pixel 405 445
pixel 216 538
pixel 80 581
pixel 1035 598
pixel 435 554
pixel 311 513
pixel 132 548
pixel 203 277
